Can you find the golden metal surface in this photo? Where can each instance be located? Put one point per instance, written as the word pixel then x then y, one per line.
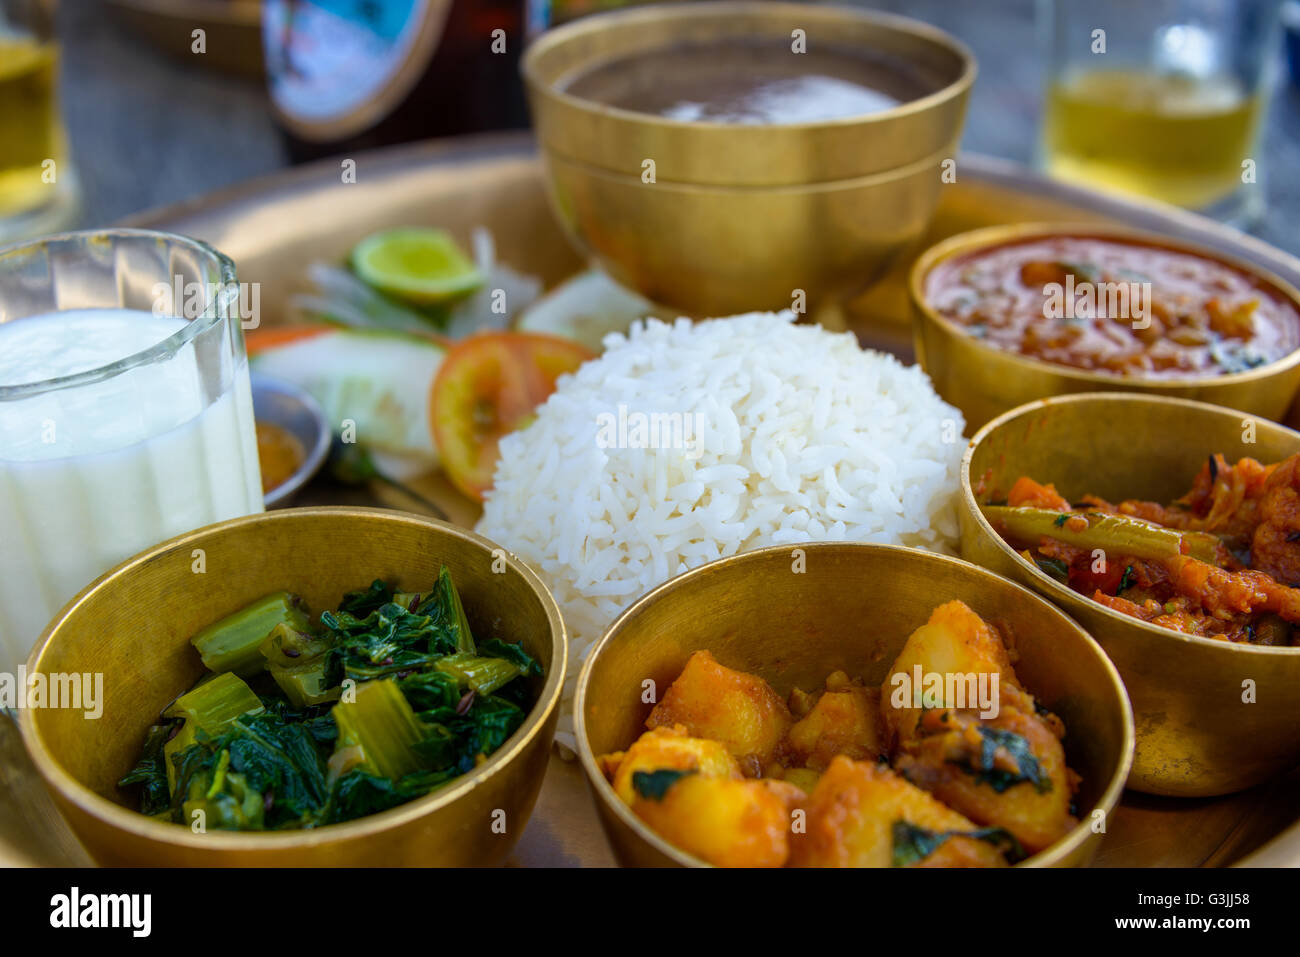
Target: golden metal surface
pixel 984 381
pixel 133 625
pixel 852 608
pixel 1195 734
pixel 233 30
pixel 274 227
pixel 739 216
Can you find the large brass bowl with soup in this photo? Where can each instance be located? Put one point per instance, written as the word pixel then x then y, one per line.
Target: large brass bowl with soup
pixel 715 251
pixel 984 381
pixel 1199 732
pixel 134 624
pixel 852 608
pixel 721 217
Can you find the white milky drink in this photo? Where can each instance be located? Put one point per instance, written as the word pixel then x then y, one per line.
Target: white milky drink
pixel 93 473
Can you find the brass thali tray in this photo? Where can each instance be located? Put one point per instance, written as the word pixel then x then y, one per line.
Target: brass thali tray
pixel 275 226
pixel 232 30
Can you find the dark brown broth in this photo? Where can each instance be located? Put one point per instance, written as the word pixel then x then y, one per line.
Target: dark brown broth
pixel 754 82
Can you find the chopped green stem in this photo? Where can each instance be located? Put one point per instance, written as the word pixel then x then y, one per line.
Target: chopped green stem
pixel 481 675
pixel 234 642
pixel 306 685
pixel 214 704
pixel 381 722
pixel 1115 534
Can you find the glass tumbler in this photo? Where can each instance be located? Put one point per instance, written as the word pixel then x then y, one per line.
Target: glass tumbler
pixel 1163 99
pixel 38 186
pixel 125 411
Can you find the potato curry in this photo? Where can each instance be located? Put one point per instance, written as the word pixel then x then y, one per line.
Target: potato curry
pixel 1222 562
pixel 736 775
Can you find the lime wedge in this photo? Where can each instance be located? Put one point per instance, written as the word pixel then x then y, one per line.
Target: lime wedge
pixel 423 266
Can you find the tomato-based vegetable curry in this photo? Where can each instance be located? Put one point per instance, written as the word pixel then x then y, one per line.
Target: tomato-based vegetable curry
pixel 1223 561
pixel 1118 307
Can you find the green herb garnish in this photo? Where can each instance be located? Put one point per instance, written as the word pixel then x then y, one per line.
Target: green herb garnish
pixel 1054 568
pixel 653 785
pixel 1000 779
pixel 913 844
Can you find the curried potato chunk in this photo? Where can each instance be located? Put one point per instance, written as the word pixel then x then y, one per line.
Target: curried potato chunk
pixel 740 710
pixel 1006 772
pixel 666 749
pixel 998 758
pixel 726 822
pixel 843 722
pixel 864 815
pixel 802 778
pixel 955 641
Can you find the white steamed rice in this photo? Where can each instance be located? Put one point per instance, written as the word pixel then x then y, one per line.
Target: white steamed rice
pixel 803 436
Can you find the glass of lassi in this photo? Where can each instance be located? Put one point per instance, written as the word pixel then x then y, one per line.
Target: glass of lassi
pixel 125 411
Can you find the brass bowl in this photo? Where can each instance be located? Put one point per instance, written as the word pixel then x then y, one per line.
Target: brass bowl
pixel 852 609
pixel 1195 735
pixel 829 239
pixel 984 381
pixel 757 210
pixel 292 409
pixel 134 623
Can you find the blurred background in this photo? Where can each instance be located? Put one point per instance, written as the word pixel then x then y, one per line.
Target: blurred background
pixel 152 119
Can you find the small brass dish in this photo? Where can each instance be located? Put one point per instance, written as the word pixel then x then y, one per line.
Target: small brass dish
pixel 1197 735
pixel 738 216
pixel 292 409
pixel 133 626
pixel 984 381
pixel 851 608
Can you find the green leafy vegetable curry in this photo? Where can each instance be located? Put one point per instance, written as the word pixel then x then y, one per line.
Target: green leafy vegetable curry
pixel 299 724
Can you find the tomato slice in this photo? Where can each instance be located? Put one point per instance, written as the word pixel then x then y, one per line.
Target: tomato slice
pixel 488 386
pixel 265 338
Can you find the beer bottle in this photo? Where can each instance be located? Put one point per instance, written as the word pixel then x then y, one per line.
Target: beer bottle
pixel 350 75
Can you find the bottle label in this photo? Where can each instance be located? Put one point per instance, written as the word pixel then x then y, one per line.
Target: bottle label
pixel 336 67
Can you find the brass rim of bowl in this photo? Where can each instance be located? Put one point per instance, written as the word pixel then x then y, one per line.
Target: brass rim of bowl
pixel 1055 588
pixel 146 828
pixel 1054 852
pixel 587 26
pixel 995 236
pixel 794 189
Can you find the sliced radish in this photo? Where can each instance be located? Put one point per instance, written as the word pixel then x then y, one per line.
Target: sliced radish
pixel 377 381
pixel 586 308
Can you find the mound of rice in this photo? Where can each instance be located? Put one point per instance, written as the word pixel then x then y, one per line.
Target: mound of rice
pixel 767 433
